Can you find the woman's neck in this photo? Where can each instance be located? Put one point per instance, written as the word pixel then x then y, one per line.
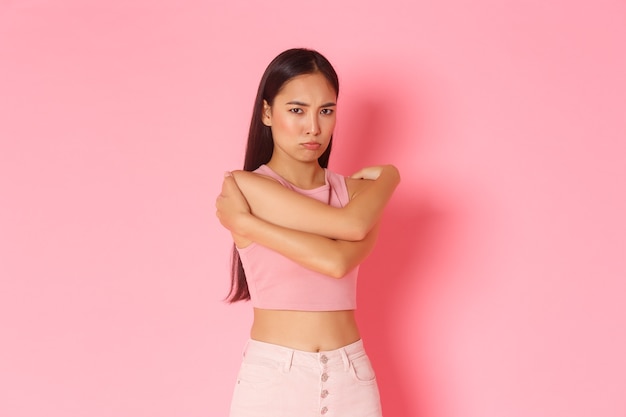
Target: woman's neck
pixel 305 175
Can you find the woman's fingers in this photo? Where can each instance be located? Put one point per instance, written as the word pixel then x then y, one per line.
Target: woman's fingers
pixel 230 203
pixel 368 173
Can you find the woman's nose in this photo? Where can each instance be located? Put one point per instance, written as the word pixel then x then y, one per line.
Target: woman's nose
pixel 314 126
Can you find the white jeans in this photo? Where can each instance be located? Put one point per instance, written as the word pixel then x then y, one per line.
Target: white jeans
pixel 276 381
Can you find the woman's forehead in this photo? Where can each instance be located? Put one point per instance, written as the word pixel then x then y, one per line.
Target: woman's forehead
pixel 308 85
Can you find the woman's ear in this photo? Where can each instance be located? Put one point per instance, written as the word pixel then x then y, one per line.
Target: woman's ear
pixel 267 114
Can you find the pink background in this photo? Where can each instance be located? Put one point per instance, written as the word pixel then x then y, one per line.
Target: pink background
pixel 498 284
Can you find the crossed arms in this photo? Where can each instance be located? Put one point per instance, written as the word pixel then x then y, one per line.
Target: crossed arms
pixel 317 236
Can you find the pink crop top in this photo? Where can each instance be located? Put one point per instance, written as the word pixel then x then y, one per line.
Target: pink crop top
pixel 277 283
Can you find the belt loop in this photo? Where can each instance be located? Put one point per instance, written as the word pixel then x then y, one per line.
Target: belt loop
pixel 345 359
pixel 288 360
pixel 245 348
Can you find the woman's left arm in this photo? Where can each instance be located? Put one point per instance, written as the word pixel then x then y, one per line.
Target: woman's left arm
pixel 274 203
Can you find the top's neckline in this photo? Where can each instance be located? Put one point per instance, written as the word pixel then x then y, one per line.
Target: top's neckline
pixel 305 190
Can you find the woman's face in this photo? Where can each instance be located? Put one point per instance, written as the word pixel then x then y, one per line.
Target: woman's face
pixel 302 118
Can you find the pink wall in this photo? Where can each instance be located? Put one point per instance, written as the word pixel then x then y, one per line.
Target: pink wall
pixel 497 286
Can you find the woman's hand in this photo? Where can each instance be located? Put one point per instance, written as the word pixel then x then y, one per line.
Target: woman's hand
pixel 231 204
pixel 368 173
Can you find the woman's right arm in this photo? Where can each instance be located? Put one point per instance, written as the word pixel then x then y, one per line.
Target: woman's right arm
pixel 275 204
pixel 331 257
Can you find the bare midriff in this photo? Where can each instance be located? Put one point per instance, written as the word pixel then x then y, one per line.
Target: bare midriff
pixel 310 331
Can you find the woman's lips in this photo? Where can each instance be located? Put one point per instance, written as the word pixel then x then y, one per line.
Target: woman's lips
pixel 312 146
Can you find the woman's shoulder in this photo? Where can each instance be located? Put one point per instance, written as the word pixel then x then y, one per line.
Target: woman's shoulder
pixel 263 172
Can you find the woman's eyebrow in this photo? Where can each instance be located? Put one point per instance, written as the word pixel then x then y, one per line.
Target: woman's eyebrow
pixel 300 103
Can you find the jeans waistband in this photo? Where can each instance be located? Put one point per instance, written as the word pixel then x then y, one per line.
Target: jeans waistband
pixel 292 357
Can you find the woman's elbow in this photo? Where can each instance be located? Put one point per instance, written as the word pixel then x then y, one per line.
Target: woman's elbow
pixel 394 171
pixel 338 273
pixel 340 268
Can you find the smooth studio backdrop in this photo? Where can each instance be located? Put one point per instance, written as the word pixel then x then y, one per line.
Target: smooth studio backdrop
pixel 497 286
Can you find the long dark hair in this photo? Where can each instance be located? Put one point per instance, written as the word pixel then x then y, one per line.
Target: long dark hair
pixel 287 65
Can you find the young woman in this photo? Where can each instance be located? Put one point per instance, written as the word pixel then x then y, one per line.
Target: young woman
pixel 300 232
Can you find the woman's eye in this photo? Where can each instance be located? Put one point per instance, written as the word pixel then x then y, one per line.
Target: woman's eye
pixel 296 110
pixel 327 111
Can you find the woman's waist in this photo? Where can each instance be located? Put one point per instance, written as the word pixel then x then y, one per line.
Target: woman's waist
pixel 266 353
pixel 310 331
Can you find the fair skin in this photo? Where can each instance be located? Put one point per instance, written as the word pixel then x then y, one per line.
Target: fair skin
pixel 326 239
